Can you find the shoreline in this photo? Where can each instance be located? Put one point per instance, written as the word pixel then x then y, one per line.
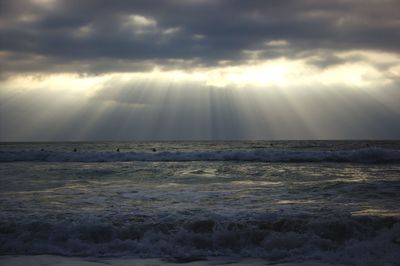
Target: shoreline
pixel 56 260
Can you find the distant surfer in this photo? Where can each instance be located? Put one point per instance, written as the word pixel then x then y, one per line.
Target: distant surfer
pixel 154 149
pixel 42 149
pixel 117 149
pixel 75 150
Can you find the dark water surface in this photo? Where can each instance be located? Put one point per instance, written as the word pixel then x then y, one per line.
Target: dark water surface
pixel 331 201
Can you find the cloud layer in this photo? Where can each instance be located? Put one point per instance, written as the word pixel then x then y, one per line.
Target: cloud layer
pixel 199 69
pixel 124 36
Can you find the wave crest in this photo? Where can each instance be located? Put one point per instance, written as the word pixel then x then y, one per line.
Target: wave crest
pixel 338 238
pixel 365 155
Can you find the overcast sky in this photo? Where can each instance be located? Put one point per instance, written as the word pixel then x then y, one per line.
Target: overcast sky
pixel 199 69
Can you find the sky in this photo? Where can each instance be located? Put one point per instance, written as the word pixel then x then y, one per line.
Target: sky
pixel 75 70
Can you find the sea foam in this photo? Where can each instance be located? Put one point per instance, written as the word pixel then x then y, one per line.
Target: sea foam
pixel 340 239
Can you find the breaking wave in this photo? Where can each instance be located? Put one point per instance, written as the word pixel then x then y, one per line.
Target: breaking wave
pixel 365 155
pixel 336 238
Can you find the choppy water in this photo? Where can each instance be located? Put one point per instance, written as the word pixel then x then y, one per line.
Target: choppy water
pixel 331 201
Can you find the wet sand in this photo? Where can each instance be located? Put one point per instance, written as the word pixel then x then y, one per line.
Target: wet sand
pixel 50 260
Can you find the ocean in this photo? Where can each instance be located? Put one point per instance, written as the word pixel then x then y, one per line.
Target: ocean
pixel 334 202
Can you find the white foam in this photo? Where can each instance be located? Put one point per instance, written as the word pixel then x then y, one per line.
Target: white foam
pixel 330 239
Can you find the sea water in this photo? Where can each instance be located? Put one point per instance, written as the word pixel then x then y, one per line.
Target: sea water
pixel 283 201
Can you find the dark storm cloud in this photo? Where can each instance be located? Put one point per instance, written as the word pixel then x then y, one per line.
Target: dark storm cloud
pixel 100 36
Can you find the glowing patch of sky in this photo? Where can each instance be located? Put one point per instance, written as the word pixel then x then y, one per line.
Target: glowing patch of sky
pixel 273 99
